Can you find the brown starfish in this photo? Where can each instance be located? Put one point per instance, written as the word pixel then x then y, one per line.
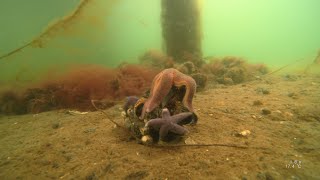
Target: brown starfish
pixel 162 85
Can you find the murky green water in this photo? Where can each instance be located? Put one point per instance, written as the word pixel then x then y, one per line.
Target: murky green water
pixel 252 123
pixel 110 32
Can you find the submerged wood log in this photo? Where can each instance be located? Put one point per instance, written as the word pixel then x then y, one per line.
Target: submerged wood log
pixel 181 29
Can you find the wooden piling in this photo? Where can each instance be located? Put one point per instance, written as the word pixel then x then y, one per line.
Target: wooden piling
pixel 181 30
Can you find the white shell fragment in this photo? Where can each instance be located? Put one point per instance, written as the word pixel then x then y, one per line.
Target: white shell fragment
pixel 123 114
pixel 189 141
pixel 76 112
pixel 245 133
pixel 147 139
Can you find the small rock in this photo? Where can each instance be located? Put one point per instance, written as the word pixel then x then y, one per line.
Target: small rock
pixel 146 140
pixel 123 114
pixel 55 165
pixel 278 111
pixel 201 80
pixel 261 176
pixel 269 176
pixel 295 178
pixel 189 141
pixel 265 111
pixel 262 90
pixel 227 81
pixel 258 77
pixel 290 77
pixel 244 178
pixel 244 133
pixel 257 103
pixel 56 125
pixel 288 115
pixel 265 91
pixel 226 110
pixel 90 130
pixel 293 95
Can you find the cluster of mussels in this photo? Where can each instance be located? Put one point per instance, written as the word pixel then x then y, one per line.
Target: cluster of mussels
pixel 160 114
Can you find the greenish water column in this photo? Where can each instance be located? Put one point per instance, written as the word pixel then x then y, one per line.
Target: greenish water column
pixel 181 29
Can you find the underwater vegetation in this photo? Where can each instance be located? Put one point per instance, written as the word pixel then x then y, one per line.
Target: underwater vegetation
pixel 77 87
pixel 156 59
pixel 233 70
pixel 62 24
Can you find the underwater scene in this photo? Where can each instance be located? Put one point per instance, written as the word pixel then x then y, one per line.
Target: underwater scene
pixel 160 89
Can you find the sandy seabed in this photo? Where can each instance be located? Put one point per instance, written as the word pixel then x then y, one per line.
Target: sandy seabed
pixel 282 114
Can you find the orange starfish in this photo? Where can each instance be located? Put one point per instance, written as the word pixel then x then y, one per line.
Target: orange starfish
pixel 161 86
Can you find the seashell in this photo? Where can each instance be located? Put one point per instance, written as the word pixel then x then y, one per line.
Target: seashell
pixel 137 109
pixel 147 140
pixel 245 133
pixel 189 141
pixel 76 112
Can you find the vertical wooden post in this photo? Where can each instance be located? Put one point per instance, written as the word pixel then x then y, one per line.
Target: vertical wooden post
pixel 181 29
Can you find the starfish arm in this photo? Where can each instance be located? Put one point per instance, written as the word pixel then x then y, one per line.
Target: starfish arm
pixel 156 123
pixel 147 103
pixel 175 128
pixel 164 131
pixel 184 80
pixel 161 87
pixel 180 117
pixel 165 113
pixel 190 91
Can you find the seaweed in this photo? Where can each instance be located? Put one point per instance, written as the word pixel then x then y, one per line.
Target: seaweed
pixel 76 87
pixel 157 59
pixel 233 70
pixel 11 103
